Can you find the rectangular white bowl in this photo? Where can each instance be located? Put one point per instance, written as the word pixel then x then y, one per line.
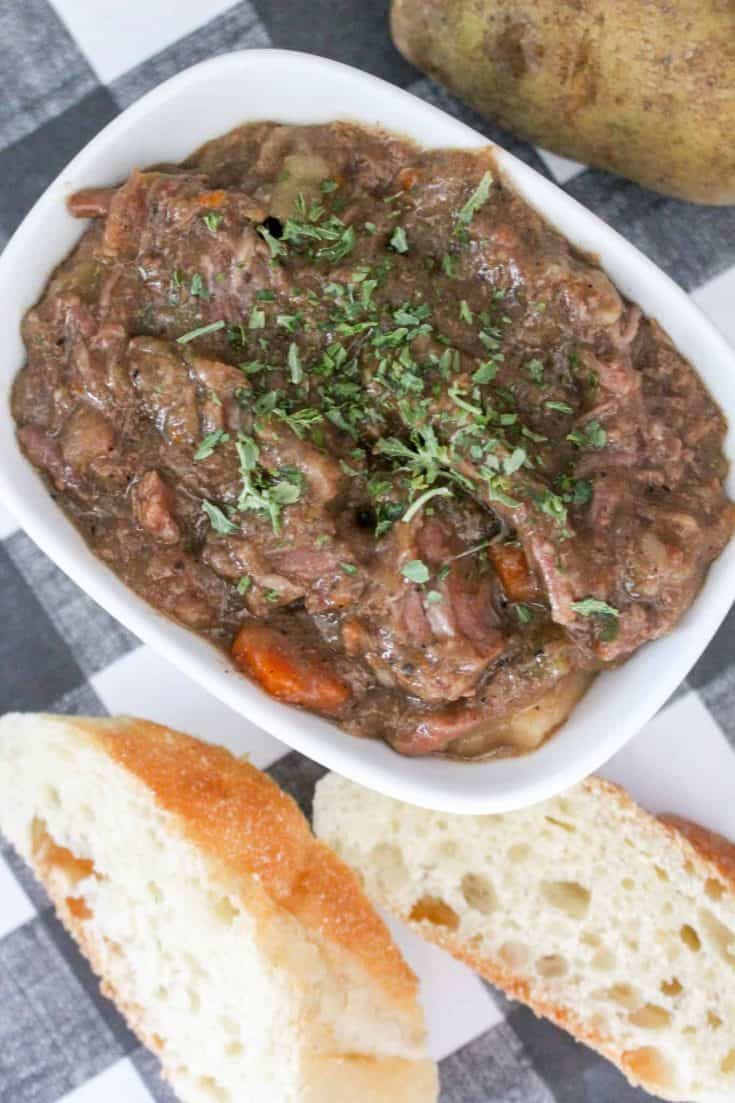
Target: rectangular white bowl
pixel 166 125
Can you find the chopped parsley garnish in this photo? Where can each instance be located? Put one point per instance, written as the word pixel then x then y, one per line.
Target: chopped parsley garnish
pixel 398 240
pixel 576 491
pixel 299 421
pixel 257 318
pixel 497 489
pixel 561 407
pixel 275 247
pixel 288 322
pixel 209 443
pixel 262 490
pixel 592 436
pixel 420 502
pixel 486 372
pixel 477 200
pixel 415 571
pixel 219 521
pixel 198 288
pixel 243 584
pixel 200 332
pixel 294 363
pixel 370 227
pixel 448 265
pixel 327 239
pixel 593 607
pixel 433 597
pixel 348 568
pixel 524 613
pixel 213 220
pixel 328 186
pixel 465 313
pixel 265 296
pixel 177 282
pixel 514 461
pixel 553 506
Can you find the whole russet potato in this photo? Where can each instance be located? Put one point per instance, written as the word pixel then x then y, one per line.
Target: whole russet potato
pixel 645 88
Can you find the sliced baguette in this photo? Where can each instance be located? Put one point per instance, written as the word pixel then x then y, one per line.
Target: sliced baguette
pixel 240 949
pixel 617 926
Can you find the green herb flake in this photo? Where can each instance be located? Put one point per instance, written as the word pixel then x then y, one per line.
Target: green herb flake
pixel 289 322
pixel 294 363
pixel 257 318
pixel 202 331
pixel 465 313
pixel 198 288
pixel 328 186
pixel 398 240
pixel 497 489
pixel 219 521
pixel 593 607
pixel 535 371
pixel 415 571
pixel 420 502
pixel 514 461
pixel 369 227
pixel 275 247
pixel 477 200
pixel 561 407
pixel 433 597
pixel 243 584
pixel 348 568
pixel 448 265
pixel 213 220
pixel 592 435
pixel 209 443
pixel 486 372
pixel 524 613
pixel 553 506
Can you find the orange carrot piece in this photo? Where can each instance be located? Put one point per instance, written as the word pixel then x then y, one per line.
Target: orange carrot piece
pixel 211 199
pixel 407 178
pixel 510 562
pixel 284 671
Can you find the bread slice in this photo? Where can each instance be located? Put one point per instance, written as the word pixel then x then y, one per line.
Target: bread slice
pixel 240 948
pixel 617 926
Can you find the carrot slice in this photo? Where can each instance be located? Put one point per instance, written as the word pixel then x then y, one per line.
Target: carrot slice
pixel 407 178
pixel 284 671
pixel 510 562
pixel 211 198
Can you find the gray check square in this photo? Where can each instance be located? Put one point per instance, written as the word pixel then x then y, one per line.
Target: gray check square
pixel 37 665
pixel 236 29
pixel 92 635
pixel 149 1070
pixel 690 242
pixel 492 1069
pixel 52 1037
pixel 437 96
pixel 44 71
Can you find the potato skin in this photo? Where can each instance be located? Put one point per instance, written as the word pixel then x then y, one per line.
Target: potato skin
pixel 645 88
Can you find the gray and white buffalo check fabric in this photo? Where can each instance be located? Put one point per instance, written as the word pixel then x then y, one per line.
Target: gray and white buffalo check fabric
pixel 67 67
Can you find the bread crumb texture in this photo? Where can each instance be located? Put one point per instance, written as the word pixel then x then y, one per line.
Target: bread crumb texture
pixel 618 926
pixel 240 948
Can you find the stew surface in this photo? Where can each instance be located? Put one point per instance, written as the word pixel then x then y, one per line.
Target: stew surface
pixel 354 412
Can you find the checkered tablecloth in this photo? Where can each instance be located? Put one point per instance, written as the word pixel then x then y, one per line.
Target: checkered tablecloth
pixel 68 67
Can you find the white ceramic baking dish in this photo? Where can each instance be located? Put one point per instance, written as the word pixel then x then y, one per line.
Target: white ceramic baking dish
pixel 169 123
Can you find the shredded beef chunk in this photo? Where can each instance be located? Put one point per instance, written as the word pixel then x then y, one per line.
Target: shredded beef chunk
pixel 355 413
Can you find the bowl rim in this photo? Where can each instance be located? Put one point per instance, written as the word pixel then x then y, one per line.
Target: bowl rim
pixel 430 782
